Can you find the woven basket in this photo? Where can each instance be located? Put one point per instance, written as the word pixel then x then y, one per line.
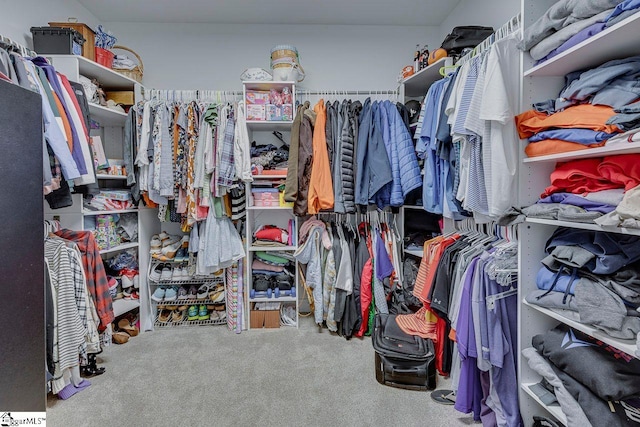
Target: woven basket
pixel 136 73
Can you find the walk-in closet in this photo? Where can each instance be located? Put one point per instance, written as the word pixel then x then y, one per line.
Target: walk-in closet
pixel 292 213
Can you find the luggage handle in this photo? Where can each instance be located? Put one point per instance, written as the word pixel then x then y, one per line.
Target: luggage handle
pixel 399 370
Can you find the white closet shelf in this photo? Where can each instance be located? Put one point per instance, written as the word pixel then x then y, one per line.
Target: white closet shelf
pixel 122 306
pixel 627 346
pixel 107 116
pixel 414 252
pixel 274 299
pixel 283 176
pixel 107 77
pixel 584 226
pixel 417 84
pixel 618 41
pixel 120 247
pixel 269 125
pixel 556 411
pixel 267 85
pixel 272 248
pixel 87 212
pixel 107 176
pixel 589 153
pixel 269 208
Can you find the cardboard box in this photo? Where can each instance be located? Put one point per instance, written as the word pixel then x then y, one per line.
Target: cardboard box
pixel 124 97
pixel 255 112
pixel 264 315
pixel 89 35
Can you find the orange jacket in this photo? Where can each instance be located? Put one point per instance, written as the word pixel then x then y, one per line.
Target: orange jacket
pixel 321 184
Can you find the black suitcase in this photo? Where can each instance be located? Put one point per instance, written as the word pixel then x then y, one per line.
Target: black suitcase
pixel 402 360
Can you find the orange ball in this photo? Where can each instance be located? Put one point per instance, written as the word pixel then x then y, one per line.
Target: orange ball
pixel 436 55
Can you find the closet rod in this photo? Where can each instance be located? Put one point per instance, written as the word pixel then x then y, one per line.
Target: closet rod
pixel 511 26
pixel 8 43
pixel 346 92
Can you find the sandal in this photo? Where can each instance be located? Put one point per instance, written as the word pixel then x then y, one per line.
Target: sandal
pixel 165 315
pixel 444 397
pixel 217 294
pixel 177 315
pixel 128 327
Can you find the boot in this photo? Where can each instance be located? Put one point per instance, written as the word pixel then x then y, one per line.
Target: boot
pixel 92 368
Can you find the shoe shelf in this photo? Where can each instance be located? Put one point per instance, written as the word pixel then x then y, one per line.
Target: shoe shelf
pixel 191 301
pixel 192 281
pixel 183 323
pixel 273 299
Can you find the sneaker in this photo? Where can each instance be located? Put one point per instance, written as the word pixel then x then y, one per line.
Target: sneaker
pixel 136 281
pixel 203 291
pixel 193 292
pixel 171 294
pixel 166 272
pixel 158 295
pixel 182 293
pixel 177 274
pixel 214 315
pixel 127 292
pixel 155 245
pixel 156 272
pixel 181 255
pixel 222 315
pixel 192 314
pixel 203 313
pixel 126 282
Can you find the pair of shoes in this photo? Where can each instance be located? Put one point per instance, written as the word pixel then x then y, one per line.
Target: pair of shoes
pixel 182 255
pixel 160 272
pixel 130 278
pixel 163 293
pixel 198 313
pixel 125 326
pixel 155 245
pixel 180 273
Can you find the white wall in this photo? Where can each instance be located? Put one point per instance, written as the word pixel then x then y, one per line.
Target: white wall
pixel 212 56
pixel 18 16
pixel 493 13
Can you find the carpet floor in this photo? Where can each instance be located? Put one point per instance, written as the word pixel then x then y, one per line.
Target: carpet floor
pixel 208 376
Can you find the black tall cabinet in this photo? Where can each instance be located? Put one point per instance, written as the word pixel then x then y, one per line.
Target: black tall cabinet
pixel 22 301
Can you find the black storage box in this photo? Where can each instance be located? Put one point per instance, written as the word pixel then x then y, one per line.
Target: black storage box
pixel 53 40
pixel 402 360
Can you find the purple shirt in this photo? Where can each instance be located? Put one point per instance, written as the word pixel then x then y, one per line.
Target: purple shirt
pixel 579 37
pixel 383 265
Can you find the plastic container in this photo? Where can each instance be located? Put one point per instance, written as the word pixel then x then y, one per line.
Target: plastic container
pixel 52 40
pixel 104 57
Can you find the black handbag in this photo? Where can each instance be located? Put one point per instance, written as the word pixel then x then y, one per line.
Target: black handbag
pixel 465 36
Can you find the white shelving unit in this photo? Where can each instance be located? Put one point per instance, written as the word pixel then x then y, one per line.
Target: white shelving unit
pixel 541 82
pixel 267 215
pixel 417 84
pixel 111 133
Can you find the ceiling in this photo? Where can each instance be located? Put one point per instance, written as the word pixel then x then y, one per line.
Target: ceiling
pixel 323 12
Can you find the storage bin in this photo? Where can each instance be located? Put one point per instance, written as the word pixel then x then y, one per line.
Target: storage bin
pixel 52 40
pixel 87 33
pixel 124 97
pixel 265 315
pixel 104 57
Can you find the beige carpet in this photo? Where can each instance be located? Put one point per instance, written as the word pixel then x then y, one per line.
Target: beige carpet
pixel 208 376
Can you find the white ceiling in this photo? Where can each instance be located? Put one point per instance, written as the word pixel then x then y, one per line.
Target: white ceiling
pixel 325 12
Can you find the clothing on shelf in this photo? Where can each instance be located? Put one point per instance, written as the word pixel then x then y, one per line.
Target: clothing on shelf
pixel 348 153
pixel 466 284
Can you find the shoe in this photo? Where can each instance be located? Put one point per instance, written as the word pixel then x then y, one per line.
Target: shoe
pixel 166 273
pixel 203 313
pixel 217 294
pixel 136 281
pixel 155 245
pixel 193 292
pixel 182 293
pixel 120 337
pixel 218 307
pixel 126 281
pixel 163 237
pixel 177 274
pixel 126 292
pixel 91 369
pixel 192 314
pixel 170 251
pixel 181 255
pixel 119 292
pixel 203 291
pixel 165 315
pixel 185 242
pixel 214 315
pixel 177 315
pixel 134 295
pixel 156 272
pixel 158 295
pixel 222 315
pixel 127 327
pixel 171 294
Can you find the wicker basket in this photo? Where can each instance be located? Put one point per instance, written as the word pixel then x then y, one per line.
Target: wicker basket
pixel 136 73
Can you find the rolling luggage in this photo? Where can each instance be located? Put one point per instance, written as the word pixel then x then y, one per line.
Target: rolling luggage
pixel 402 360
